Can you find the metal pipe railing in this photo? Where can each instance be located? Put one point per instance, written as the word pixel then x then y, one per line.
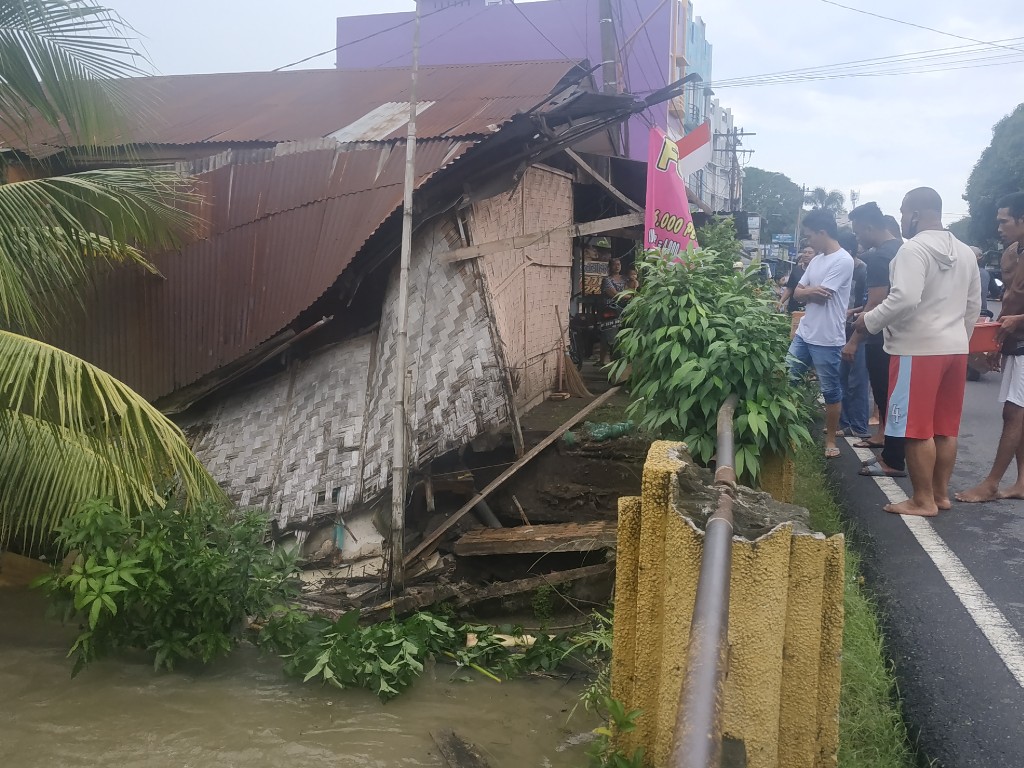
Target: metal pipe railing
pixel 699 722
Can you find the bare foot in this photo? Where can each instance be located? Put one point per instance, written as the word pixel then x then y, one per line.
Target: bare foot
pixel 1013 492
pixel 979 494
pixel 943 503
pixel 909 507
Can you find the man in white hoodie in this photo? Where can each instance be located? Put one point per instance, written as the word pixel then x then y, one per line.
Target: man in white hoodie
pixel 927 320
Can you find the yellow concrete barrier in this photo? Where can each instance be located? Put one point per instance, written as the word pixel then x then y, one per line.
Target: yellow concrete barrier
pixel 785 629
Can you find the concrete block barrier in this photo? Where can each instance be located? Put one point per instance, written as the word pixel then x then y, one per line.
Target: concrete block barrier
pixel 781 701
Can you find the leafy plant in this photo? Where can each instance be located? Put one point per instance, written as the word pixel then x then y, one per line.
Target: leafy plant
pixel 543 604
pixel 697 332
pixel 603 753
pixel 178 585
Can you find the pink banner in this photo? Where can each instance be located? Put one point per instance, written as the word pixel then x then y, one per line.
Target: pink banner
pixel 667 220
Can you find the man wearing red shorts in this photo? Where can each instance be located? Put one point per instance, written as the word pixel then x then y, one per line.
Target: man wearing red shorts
pixel 927 320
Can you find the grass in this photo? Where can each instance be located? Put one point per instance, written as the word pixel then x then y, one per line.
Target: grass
pixel 872 733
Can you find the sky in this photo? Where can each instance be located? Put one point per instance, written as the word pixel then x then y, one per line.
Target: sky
pixel 879 135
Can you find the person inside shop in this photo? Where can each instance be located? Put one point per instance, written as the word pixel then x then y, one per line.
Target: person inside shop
pixel 612 285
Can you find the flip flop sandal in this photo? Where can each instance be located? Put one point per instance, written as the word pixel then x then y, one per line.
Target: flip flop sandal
pixel 848 432
pixel 832 453
pixel 877 470
pixel 868 444
pixel 869 462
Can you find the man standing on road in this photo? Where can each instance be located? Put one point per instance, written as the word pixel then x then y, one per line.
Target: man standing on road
pixel 927 318
pixel 788 303
pixel 819 339
pixel 1011 393
pixel 870 227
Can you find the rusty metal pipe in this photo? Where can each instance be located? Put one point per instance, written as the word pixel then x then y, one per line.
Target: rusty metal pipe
pixel 699 722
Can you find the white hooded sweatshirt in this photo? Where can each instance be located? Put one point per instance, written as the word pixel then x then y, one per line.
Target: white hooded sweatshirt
pixel 934 299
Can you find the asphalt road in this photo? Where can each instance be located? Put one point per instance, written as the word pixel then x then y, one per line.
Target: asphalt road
pixel 964 705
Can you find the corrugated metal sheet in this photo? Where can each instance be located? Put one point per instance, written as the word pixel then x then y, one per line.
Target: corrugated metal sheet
pixel 288 106
pixel 282 231
pixel 283 222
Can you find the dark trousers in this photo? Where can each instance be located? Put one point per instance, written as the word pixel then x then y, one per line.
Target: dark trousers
pixel 894 452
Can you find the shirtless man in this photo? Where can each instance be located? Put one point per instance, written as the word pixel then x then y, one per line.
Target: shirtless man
pixel 1011 393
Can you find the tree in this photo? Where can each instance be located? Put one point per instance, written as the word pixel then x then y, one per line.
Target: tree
pixel 68 431
pixel 961 229
pixel 775 198
pixel 833 201
pixel 999 171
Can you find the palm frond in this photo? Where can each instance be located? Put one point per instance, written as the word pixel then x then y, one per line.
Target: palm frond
pixel 70 432
pixel 54 230
pixel 60 60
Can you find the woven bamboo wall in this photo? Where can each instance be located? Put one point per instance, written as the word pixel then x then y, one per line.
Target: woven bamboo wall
pixel 529 287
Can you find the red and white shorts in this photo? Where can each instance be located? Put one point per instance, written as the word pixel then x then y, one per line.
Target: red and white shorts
pixel 926 396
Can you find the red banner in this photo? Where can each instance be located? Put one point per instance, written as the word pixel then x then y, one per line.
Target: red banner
pixel 667 221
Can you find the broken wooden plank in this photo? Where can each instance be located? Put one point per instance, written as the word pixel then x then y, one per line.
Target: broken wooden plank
pixel 609 187
pixel 516 242
pixel 431 539
pixel 456 751
pixel 525 539
pixel 508 588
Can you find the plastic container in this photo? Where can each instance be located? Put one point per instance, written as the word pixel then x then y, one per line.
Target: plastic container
pixel 983 339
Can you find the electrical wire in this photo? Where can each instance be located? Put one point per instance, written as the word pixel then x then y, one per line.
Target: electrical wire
pixel 372 35
pixel 943 53
pixel 435 38
pixel 541 33
pixel 918 26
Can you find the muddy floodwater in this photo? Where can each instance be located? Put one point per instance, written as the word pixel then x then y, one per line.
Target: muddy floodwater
pixel 243 712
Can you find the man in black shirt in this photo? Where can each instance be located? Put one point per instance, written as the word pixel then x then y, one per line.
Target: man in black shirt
pixel 870 227
pixel 788 303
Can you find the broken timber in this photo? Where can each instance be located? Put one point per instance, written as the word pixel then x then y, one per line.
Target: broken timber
pixel 598 227
pixel 431 539
pixel 611 188
pixel 525 539
pixel 459 593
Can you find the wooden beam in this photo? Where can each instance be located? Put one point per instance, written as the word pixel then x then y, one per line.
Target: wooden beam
pixel 609 187
pixel 598 227
pixel 506 589
pixel 431 539
pixel 525 539
pixel 603 226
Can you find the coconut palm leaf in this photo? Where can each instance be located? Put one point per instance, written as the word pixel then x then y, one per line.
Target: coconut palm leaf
pixel 58 63
pixel 53 231
pixel 70 432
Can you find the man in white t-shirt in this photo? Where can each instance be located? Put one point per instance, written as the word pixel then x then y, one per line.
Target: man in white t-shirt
pixel 821 335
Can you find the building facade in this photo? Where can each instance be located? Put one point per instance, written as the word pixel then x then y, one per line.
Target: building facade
pixel 453 32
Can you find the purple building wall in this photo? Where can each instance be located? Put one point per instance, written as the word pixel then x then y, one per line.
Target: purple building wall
pixel 474 32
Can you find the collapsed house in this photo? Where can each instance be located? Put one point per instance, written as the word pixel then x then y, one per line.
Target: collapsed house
pixel 270 339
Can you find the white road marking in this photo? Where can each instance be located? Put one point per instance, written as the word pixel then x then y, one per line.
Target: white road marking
pixel 1001 635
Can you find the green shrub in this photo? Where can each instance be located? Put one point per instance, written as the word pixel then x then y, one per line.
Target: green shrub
pixel 697 332
pixel 177 585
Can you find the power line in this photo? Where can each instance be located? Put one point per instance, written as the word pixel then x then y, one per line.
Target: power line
pixel 943 53
pixel 379 32
pixel 919 26
pixel 435 38
pixel 541 33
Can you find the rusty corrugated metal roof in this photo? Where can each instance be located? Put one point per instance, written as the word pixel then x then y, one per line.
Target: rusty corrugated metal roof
pixel 275 107
pixel 283 222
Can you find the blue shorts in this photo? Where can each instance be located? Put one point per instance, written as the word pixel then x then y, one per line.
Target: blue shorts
pixel 825 362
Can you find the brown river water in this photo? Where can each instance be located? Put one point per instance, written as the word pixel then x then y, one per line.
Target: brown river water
pixel 244 712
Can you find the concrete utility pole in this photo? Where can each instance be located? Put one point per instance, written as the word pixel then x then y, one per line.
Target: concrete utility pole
pixel 799 216
pixel 399 418
pixel 609 57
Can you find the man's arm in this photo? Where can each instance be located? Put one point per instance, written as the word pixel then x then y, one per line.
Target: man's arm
pixel 876 296
pixel 816 294
pixel 973 302
pixel 909 267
